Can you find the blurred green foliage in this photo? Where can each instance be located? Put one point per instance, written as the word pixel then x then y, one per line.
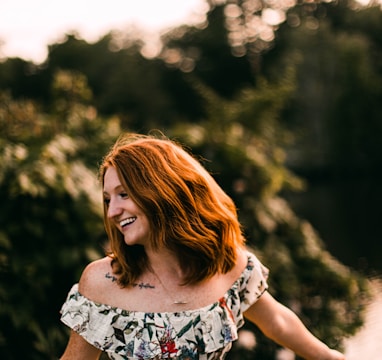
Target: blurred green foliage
pixel 244 116
pixel 50 218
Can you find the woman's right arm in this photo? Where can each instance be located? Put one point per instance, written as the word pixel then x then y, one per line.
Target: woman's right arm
pixel 79 349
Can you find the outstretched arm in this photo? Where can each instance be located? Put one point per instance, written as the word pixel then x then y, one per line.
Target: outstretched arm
pixel 80 349
pixel 284 327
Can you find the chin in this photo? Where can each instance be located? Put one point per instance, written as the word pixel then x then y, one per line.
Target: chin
pixel 130 242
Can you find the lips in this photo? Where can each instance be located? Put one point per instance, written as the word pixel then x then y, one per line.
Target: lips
pixel 127 221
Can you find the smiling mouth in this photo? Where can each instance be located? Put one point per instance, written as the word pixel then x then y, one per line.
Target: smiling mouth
pixel 126 222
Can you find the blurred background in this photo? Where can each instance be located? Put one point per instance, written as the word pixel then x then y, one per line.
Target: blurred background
pixel 282 100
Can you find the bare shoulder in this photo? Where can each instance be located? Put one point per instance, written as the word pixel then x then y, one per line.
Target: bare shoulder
pixel 241 264
pixel 96 278
pixel 242 260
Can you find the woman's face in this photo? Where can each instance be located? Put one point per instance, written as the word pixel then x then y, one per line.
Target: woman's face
pixel 123 212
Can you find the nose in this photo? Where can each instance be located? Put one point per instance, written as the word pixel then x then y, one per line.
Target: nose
pixel 114 209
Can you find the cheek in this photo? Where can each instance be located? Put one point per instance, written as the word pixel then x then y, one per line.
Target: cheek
pixel 114 228
pixel 147 224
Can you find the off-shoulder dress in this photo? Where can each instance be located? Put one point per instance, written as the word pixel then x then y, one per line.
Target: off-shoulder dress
pixel 206 333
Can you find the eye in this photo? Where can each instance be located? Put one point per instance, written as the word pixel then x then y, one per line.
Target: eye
pixel 124 195
pixel 106 201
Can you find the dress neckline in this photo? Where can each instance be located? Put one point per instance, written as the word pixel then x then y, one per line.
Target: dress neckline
pixel 179 312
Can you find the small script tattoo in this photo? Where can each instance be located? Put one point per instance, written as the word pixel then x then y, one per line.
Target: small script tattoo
pixel 142 285
pixel 112 277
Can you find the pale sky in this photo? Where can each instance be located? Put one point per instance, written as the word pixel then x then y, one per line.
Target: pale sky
pixel 28 26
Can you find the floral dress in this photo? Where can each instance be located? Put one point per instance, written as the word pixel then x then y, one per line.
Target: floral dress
pixel 206 333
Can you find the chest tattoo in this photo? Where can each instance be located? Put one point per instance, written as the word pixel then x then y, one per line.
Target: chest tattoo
pixel 111 277
pixel 142 285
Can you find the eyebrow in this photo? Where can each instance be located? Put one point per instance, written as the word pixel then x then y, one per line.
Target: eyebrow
pixel 117 188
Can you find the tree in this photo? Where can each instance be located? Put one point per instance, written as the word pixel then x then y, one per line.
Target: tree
pixel 50 214
pixel 244 147
pixel 235 111
pixel 336 50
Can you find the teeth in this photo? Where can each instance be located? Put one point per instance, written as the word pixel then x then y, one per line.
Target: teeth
pixel 127 221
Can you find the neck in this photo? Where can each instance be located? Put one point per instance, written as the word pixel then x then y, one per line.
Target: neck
pixel 165 264
pixel 166 268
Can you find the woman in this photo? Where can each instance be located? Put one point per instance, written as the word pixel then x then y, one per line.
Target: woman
pixel 178 281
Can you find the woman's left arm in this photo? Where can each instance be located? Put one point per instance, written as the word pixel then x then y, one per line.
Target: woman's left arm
pixel 79 349
pixel 284 327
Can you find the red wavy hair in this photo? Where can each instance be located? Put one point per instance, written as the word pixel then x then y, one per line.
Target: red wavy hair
pixel 188 211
